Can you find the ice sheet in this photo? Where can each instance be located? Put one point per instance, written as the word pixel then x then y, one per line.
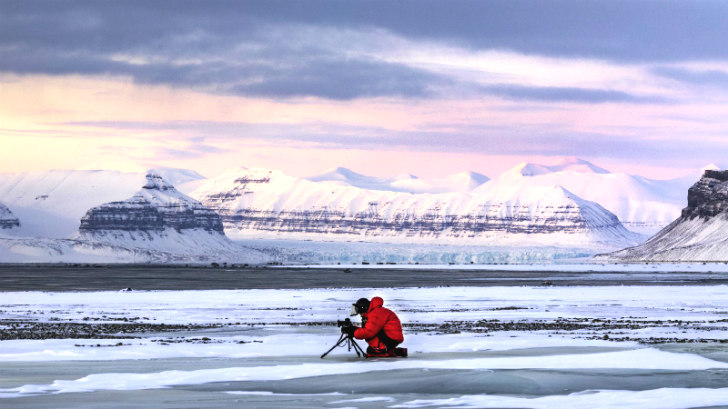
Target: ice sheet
pixel 664 398
pixel 648 358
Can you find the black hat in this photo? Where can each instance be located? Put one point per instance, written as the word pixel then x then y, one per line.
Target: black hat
pixel 362 305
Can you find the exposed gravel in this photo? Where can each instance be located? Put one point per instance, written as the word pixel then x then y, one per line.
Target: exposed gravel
pixel 18 329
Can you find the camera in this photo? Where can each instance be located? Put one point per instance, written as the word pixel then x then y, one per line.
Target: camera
pixel 347 338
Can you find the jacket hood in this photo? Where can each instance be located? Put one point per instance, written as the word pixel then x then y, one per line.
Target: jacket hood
pixel 376 302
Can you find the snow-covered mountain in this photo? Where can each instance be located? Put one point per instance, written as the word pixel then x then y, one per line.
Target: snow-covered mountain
pixel 161 218
pixel 176 176
pixel 267 203
pixel 155 208
pixel 458 182
pixel 51 203
pixel 563 165
pixel 701 231
pixel 567 204
pixel 157 224
pixel 7 219
pixel 642 205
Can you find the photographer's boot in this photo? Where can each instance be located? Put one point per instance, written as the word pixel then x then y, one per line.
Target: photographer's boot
pixel 383 353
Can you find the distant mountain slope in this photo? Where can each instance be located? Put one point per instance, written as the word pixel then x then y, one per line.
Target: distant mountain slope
pixel 266 203
pixel 160 218
pixel 51 203
pixel 701 231
pixel 157 224
pixel 567 204
pixel 157 207
pixel 564 165
pixel 458 182
pixel 642 205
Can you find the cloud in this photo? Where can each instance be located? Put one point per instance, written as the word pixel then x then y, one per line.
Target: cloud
pixel 275 70
pixel 523 140
pixel 334 50
pixel 604 29
pixel 344 79
pixel 694 77
pixel 565 94
pixel 187 152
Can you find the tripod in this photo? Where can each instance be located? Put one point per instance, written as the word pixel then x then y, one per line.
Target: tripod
pixel 350 343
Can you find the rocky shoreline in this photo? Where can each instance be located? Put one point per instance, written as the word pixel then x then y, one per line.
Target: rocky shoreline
pixel 31 330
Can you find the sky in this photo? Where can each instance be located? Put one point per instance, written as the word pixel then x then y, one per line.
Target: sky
pixel 380 87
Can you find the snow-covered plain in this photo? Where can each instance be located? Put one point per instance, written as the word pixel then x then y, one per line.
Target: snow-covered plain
pixel 525 347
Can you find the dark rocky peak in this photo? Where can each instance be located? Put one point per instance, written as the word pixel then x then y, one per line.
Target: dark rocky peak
pixel 156 182
pixel 158 206
pixel 7 218
pixel 721 175
pixel 708 196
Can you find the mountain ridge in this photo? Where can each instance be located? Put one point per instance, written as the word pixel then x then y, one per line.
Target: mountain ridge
pixel 271 203
pixel 698 234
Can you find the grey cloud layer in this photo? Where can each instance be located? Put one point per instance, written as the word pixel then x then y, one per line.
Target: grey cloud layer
pixel 712 78
pixel 265 48
pixel 566 94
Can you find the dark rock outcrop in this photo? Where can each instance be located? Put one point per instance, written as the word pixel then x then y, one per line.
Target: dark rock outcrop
pixel 7 218
pixel 709 196
pixel 699 234
pixel 158 206
pixel 567 218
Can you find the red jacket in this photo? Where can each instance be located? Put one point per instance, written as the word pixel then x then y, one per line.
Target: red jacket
pixel 378 318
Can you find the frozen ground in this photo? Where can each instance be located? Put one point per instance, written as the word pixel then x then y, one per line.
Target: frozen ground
pixel 639 346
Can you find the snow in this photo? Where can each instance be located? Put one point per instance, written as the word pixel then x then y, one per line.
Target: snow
pixel 538 215
pixel 638 359
pixel 196 241
pixel 167 246
pixel 176 176
pixel 695 239
pixel 457 182
pixel 664 398
pixel 643 205
pixel 278 359
pixel 49 206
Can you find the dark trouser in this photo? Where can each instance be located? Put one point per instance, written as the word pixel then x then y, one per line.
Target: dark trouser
pixel 382 342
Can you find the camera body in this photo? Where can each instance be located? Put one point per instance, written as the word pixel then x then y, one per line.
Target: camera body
pixel 346 326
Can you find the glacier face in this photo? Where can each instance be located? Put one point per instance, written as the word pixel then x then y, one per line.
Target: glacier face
pixel 699 234
pixel 266 203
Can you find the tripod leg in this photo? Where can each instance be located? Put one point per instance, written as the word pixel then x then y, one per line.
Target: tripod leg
pixel 350 343
pixel 341 339
pixel 358 349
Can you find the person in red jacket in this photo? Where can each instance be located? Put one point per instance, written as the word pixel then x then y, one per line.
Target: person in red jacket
pixel 381 328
